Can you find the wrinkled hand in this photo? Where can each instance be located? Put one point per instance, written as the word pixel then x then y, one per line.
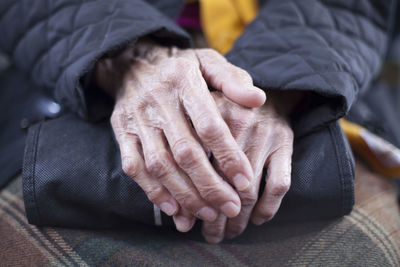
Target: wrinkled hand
pixel 267 139
pixel 160 93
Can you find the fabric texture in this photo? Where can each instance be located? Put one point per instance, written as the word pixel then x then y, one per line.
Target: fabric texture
pixel 54 46
pixel 333 49
pixel 57 42
pixel 224 22
pixel 381 155
pixel 66 186
pixel 330 48
pixel 369 236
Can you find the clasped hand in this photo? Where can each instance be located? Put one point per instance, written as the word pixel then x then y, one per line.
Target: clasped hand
pixel 167 124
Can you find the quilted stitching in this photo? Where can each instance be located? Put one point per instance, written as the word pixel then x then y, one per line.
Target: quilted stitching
pixel 43 57
pixel 57 42
pixel 340 41
pixel 338 47
pixel 36 20
pixel 335 27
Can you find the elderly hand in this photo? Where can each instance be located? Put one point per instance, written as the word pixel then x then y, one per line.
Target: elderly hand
pixel 160 93
pixel 266 138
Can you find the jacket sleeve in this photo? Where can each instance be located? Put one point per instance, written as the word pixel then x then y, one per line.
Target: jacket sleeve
pixel 332 48
pixel 57 42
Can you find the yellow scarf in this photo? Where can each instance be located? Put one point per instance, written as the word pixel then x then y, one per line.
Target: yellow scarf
pixel 223 21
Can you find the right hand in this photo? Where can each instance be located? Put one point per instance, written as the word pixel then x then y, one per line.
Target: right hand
pixel 265 135
pixel 160 95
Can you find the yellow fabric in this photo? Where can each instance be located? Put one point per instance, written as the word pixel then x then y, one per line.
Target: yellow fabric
pixel 223 21
pixel 382 156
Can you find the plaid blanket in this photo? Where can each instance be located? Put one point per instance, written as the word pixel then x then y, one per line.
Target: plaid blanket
pixel 369 236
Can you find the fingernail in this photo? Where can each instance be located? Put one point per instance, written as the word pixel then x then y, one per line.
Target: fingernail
pixel 230 209
pixel 168 208
pixel 240 181
pixel 258 220
pixel 207 214
pixel 213 239
pixel 182 223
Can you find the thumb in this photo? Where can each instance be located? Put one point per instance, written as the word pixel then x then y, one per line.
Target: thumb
pixel 234 82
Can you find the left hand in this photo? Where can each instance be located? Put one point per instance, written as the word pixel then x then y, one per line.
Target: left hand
pixel 266 138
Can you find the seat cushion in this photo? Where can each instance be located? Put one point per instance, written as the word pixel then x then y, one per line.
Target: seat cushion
pixel 370 235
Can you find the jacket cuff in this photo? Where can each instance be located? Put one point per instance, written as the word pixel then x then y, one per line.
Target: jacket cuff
pixel 332 54
pixel 72 90
pixel 88 31
pixel 72 177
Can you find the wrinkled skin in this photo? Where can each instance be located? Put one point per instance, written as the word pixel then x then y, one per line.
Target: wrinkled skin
pixel 160 93
pixel 266 138
pixel 167 123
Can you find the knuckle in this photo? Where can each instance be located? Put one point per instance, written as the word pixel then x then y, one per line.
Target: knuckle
pixel 187 199
pixel 261 129
pixel 209 52
pixel 184 153
pixel 280 189
pixel 178 69
pixel 284 152
pixel 248 199
pixel 116 119
pixel 211 193
pixel 131 166
pixel 228 159
pixel 208 128
pixel 154 193
pixel 183 64
pixel 289 132
pixel 284 132
pixel 287 135
pixel 158 164
pixel 242 120
pixel 170 76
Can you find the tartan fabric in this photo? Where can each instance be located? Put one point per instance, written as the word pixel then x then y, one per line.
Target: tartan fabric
pixel 369 236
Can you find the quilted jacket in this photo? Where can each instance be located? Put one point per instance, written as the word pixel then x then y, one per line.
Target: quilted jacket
pixel 72 175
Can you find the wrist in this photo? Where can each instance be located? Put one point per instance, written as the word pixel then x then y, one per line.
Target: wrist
pixel 110 72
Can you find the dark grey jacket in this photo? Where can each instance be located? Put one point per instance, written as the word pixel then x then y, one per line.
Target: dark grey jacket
pixel 72 175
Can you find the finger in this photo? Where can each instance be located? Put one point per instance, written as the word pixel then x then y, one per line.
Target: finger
pixel 184 221
pixel 133 166
pixel 215 134
pixel 233 81
pixel 235 226
pixel 192 159
pixel 160 165
pixel 256 150
pixel 213 232
pixel 278 181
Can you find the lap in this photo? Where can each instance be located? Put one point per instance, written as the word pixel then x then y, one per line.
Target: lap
pixel 369 235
